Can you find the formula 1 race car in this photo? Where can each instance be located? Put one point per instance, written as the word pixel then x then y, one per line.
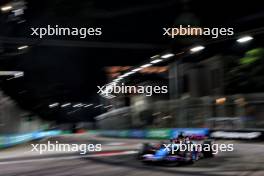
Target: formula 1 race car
pixel 171 153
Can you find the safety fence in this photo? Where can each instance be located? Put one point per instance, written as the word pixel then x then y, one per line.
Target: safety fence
pixel 165 133
pixel 14 139
pixel 193 133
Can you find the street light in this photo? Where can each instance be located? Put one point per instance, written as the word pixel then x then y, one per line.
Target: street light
pixel 146 65
pixel 53 105
pixel 220 101
pixel 117 80
pixel 22 47
pixel 65 105
pixel 109 106
pixel 197 48
pixel 168 55
pixel 137 69
pixel 130 73
pixel 86 106
pixel 77 105
pixel 6 8
pixel 19 74
pixel 100 105
pixel 244 39
pixel 122 76
pixel 156 61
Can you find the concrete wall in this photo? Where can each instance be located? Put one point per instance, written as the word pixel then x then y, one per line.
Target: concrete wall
pixel 15 120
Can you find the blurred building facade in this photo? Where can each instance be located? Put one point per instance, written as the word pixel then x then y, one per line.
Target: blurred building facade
pixel 201 94
pixel 197 79
pixel 15 120
pixel 236 112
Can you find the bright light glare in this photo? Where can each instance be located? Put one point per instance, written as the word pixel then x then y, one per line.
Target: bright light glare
pixel 197 48
pixel 65 105
pixel 220 101
pixel 126 74
pixel 19 74
pixel 155 61
pixel 136 69
pixel 117 80
pixel 98 106
pixel 109 106
pixel 130 73
pixel 108 96
pixel 53 105
pixel 6 8
pixel 122 76
pixel 154 57
pixel 86 106
pixel 168 55
pixel 244 39
pixel 22 47
pixel 11 73
pixel 77 105
pixel 111 84
pixel 146 65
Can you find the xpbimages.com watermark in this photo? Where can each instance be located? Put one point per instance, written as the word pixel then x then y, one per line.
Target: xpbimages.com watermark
pixel 191 147
pixel 60 147
pixel 56 30
pixel 188 30
pixel 126 89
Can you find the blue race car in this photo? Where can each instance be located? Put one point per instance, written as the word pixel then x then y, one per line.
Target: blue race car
pixel 166 153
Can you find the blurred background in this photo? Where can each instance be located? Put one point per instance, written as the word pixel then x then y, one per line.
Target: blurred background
pixel 48 86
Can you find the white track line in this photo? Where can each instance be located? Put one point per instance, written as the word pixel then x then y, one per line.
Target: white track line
pixel 69 157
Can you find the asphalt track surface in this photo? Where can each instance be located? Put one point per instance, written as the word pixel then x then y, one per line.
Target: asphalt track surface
pixel 247 159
